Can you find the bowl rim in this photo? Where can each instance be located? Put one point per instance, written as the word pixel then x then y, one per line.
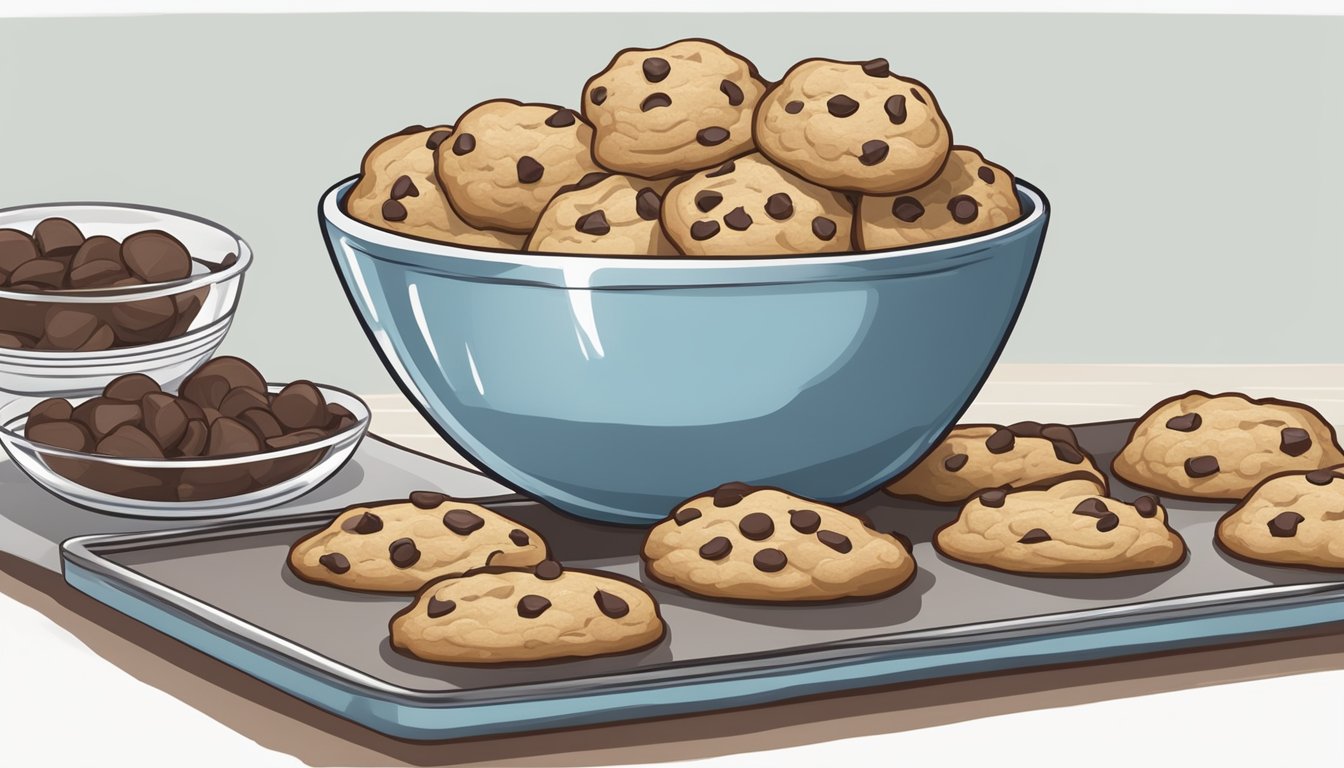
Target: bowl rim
pixel 136 292
pixel 586 271
pixel 363 416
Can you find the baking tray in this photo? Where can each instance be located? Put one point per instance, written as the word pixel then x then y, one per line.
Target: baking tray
pixel 225 590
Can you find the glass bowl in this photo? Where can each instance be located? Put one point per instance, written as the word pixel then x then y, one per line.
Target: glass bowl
pixel 184 488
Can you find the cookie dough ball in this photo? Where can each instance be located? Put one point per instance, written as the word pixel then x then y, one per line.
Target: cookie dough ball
pixel 853 126
pixel 506 160
pixel 613 215
pixel 672 110
pixel 398 191
pixel 752 207
pixel 969 195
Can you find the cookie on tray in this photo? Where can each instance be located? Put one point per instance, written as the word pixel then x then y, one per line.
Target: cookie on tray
pixel 854 126
pixel 1067 529
pixel 1205 446
pixel 752 207
pixel 763 544
pixel 1290 519
pixel 970 195
pixel 672 110
pixel 399 546
pixel 398 190
pixel 499 615
pixel 611 215
pixel 506 160
pixel 1020 456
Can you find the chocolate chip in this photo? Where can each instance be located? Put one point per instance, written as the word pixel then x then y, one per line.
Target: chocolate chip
pixel 532 606
pixel 1294 441
pixel 208 385
pixel 403 553
pixel 102 415
pixel 823 228
pixel 1201 466
pixel 1284 525
pixel 335 562
pixel 907 209
pixel 51 409
pixel 738 219
pixel 40 273
pixel 131 442
pixel 716 548
pixel 228 437
pixel 427 499
pixel 100 274
pixel 684 516
pixel 436 138
pixel 363 524
pixel 240 400
pixel 462 522
pixel 986 174
pixel 57 238
pixel 804 520
pixel 841 105
pixel 16 248
pixel 648 204
pixel 519 537
pixel 722 170
pixel 1108 522
pixel 703 230
pixel 993 498
pixel 563 118
pixel 728 494
pixel 964 209
pixel 69 435
pixel 130 388
pixel 393 211
pixel 1068 454
pixel 712 136
pixel 1187 422
pixel 404 187
pixel 769 560
pixel 793 107
pixel 1059 433
pixel 876 68
pixel 96 248
pixel 610 605
pixel 1026 429
pixel 654 101
pixel 918 96
pixel 1320 477
pixel 155 256
pixel 594 223
pixel 895 107
pixel 656 69
pixel 955 462
pixel 1034 536
pixel 438 608
pixel 548 570
pixel 873 152
pixel 1002 441
pixel 730 89
pixel 837 541
pixel 1091 508
pixel 529 170
pixel 705 200
pixel 262 423
pixel 464 144
pixel 1146 506
pixel 299 405
pixel 757 526
pixel 598 95
pixel 194 438
pixel 779 206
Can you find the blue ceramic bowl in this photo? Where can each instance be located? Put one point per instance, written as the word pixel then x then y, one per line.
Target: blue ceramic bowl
pixel 613 388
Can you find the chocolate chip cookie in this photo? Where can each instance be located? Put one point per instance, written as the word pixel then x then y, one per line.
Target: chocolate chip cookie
pixel 671 110
pixel 1205 446
pixel 752 207
pixel 1067 529
pixel 506 160
pixel 853 126
pixel 1290 519
pixel 974 457
pixel 399 546
pixel 968 196
pixel 614 215
pixel 398 190
pixel 498 615
pixel 763 544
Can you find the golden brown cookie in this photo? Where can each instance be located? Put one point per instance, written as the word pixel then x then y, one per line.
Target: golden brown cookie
pixel 1290 519
pixel 610 215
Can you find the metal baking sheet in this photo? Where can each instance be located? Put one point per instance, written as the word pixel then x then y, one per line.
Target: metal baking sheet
pixel 225 589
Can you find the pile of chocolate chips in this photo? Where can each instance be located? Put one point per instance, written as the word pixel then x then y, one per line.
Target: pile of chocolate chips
pixel 57 257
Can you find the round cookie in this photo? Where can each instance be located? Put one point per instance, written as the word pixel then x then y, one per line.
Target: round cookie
pixel 506 160
pixel 613 215
pixel 853 126
pixel 1203 446
pixel 398 191
pixel 752 207
pixel 399 546
pixel 1067 529
pixel 969 195
pixel 1290 519
pixel 974 457
pixel 763 544
pixel 671 110
pixel 510 615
